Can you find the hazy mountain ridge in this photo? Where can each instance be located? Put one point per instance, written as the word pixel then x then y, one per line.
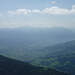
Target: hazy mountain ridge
pixel 36 45
pixel 32 36
pixel 21 43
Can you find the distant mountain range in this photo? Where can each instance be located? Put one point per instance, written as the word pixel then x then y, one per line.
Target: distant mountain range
pixel 14 67
pixel 21 43
pixel 35 36
pixel 40 46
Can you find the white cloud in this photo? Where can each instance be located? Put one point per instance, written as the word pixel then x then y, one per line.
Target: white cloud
pixel 23 11
pixel 56 11
pixel 20 11
pixel 52 11
pixel 36 11
pixel 73 7
pixel 59 11
pixel 1 15
pixel 29 24
pixel 53 2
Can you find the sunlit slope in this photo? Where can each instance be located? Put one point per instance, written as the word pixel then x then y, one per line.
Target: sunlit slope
pixel 60 56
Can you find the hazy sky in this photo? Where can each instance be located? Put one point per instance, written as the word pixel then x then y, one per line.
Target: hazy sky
pixel 37 13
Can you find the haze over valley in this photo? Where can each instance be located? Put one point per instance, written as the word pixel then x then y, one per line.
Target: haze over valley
pixel 37 36
pixel 40 46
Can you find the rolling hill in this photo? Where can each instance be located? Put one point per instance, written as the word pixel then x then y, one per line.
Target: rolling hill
pixel 60 56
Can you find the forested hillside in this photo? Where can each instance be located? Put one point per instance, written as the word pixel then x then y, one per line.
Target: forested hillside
pixel 60 57
pixel 15 67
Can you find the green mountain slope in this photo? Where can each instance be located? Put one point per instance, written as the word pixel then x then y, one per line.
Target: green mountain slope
pixel 60 56
pixel 14 67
